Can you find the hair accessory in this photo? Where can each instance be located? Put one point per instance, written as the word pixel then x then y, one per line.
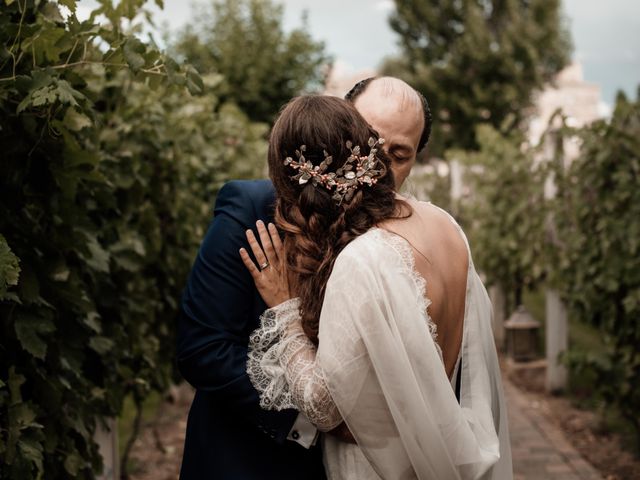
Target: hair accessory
pixel 357 170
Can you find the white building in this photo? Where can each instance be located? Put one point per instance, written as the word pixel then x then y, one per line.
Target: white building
pixel 342 78
pixel 579 101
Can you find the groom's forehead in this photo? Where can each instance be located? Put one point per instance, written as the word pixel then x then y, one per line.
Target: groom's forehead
pixel 393 94
pixel 391 117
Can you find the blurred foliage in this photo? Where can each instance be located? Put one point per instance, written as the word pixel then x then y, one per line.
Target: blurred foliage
pixel 426 183
pixel 263 67
pixel 477 61
pixel 108 174
pixel 505 211
pixel 596 259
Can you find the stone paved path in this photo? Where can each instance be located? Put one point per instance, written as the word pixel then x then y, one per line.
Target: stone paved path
pixel 539 448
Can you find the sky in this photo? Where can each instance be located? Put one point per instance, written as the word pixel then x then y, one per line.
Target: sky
pixel 606 34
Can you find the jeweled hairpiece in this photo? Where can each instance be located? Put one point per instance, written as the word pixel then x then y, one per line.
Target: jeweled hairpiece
pixel 357 170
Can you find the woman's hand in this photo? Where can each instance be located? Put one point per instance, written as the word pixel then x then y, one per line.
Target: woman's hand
pixel 270 276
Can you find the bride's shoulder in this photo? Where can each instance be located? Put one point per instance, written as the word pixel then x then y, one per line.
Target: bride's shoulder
pixel 433 210
pixel 366 249
pixel 430 215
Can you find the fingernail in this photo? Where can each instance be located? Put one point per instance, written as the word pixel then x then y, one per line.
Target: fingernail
pixel 260 223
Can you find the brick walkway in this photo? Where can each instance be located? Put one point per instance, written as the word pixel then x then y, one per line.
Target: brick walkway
pixel 540 450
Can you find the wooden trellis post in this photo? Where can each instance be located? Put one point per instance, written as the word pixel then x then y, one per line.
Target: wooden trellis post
pixel 557 325
pixel 557 340
pixel 107 440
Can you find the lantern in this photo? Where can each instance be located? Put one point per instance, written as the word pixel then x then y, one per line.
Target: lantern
pixel 522 335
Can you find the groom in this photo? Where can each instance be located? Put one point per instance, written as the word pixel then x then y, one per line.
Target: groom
pixel 228 435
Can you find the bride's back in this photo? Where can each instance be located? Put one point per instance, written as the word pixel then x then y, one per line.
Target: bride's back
pixel 442 259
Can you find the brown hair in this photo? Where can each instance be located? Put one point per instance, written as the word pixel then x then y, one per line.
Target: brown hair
pixel 316 228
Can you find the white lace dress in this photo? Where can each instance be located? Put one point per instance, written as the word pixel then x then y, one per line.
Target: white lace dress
pixel 379 369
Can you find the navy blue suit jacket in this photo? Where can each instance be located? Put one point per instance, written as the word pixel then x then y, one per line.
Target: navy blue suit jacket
pixel 228 435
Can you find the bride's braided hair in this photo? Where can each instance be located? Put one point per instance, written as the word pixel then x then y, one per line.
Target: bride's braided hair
pixel 316 228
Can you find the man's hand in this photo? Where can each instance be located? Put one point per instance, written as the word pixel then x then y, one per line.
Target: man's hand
pixel 270 276
pixel 343 433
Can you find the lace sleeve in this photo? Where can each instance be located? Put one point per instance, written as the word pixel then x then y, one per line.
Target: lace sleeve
pixel 282 367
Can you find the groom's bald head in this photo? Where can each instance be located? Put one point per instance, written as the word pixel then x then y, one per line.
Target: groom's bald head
pixel 399 114
pixel 395 92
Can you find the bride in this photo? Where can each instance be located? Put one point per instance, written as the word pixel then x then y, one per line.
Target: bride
pixel 377 316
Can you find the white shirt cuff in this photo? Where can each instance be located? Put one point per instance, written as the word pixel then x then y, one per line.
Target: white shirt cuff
pixel 303 432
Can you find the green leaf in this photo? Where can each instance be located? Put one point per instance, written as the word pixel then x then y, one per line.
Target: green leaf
pixel 128 262
pixel 44 96
pixel 23 415
pixel 67 94
pixel 72 464
pixel 133 50
pixel 130 241
pixel 101 345
pixel 24 104
pixel 98 257
pixel 92 320
pixel 45 44
pixel 59 270
pixel 195 85
pixel 32 450
pixel 76 121
pixel 98 393
pixel 40 81
pixel 15 382
pixel 9 268
pixel 80 158
pixel 29 329
pixel 52 12
pixel 70 4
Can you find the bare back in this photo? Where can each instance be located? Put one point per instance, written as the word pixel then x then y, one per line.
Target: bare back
pixel 442 259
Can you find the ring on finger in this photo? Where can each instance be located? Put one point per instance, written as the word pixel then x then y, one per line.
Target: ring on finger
pixel 264 265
